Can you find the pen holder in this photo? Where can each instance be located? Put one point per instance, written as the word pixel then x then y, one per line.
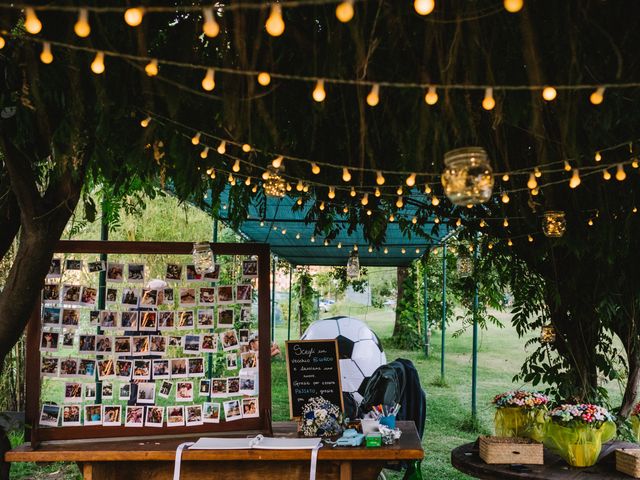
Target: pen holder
pixel 389 421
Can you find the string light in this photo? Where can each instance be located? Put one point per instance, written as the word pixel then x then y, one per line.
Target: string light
pixel 133 16
pixel 634 163
pixel 369 213
pixel 505 177
pixel 82 27
pixel 537 172
pixel 299 201
pixel 597 157
pixel 355 248
pixel 319 93
pixel 606 175
pixel 436 220
pixel 458 223
pixel 427 189
pixel 365 199
pixel 31 23
pixel 321 205
pixel 344 11
pixel 435 201
pixel 277 162
pixel 377 192
pixel 386 250
pixel 391 218
pixel 379 178
pixel 326 243
pixel 418 251
pixel 205 153
pixel 399 191
pixel 144 123
pixel 567 166
pixel 264 79
pixel 2 42
pixel 213 174
pixel 513 6
pixel 424 7
pixel 490 246
pixel 151 69
pixel 535 192
pixel 332 193
pixel 590 222
pixel 505 223
pixel 352 192
pixel 510 243
pixel 635 210
pixel 575 179
pixel 232 181
pixel 597 97
pixel 210 27
pixel 46 56
pixel 255 188
pixel 505 197
pixel 297 236
pixel 275 23
pixel 403 251
pixel 313 239
pixel 549 93
pixel 346 175
pixel 236 166
pixel 208 82
pixel 399 202
pixel 530 238
pixel 246 148
pixel 299 186
pixel 373 98
pixel 315 169
pixel 411 180
pixel 488 103
pixel 339 244
pixel 222 148
pixel 414 220
pixel 620 173
pixel 195 140
pixel 284 231
pixel 483 223
pixel 97 66
pixel 247 182
pixel 431 97
pixel 532 183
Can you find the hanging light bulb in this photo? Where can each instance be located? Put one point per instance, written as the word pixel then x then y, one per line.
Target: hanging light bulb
pixel 299 201
pixel 399 191
pixel 424 7
pixel 530 238
pixel 606 175
pixel 365 199
pixel 346 175
pixel 513 6
pixel 537 172
pixel 482 223
pixel 264 79
pixel 532 183
pixel 236 166
pixel 313 239
pixel 374 98
pixel 352 192
pixel 133 16
pixel 284 231
pixel 620 173
pixel 82 27
pixel 319 93
pixel 2 42
pixel 549 93
pixel 590 222
pixel 567 166
pixel 339 244
pixel 386 250
pixel 391 218
pixel 195 140
pixel 399 202
pixel 315 169
pixel 222 148
pixel 411 180
pixel 414 220
pixel 575 179
pixel 377 192
pixel 208 82
pixel 275 23
pixel 436 220
pixel 144 123
pixel 535 191
pixel 205 153
pixel 505 197
pixel 277 162
pixel 247 182
pixel 510 243
pixel 322 205
pixel 210 27
pixel 427 189
pixel 213 174
pixel 299 186
pixel 458 223
pixel 232 181
pixel 435 201
pixel 151 69
pixel 31 22
pixel 345 209
pixel 597 157
pixel 326 243
pixel 369 213
pixel 246 148
pixel 505 223
pixel 505 177
pixel 597 97
pixel 344 11
pixel 490 246
pixel 403 250
pixel 297 236
pixel 332 193
pixel 97 66
pixel 488 102
pixel 46 56
pixel 431 97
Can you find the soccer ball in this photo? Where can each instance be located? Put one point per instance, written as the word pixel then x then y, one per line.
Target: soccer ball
pixel 360 349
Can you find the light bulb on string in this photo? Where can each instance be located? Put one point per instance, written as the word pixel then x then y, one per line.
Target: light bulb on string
pixel 266 175
pixel 299 186
pixel 326 243
pixel 399 202
pixel 299 201
pixel 355 247
pixel 277 162
pixel 620 173
pixel 403 250
pixel 414 220
pixel 315 169
pixel 133 16
pixel 210 27
pixel 345 209
pixel 236 166
pixel 399 191
pixel 392 218
pixel 635 210
pixel 532 183
pixel 436 220
pixel 379 178
pixel 575 179
pixel 31 22
pixel 346 175
pixel 488 102
pixel 313 239
pixel 411 180
pixel 264 79
pixel 275 23
pixel 505 197
pixel 510 243
pixel 352 192
pixel 597 157
pixel 435 201
pixel 490 246
pixel 427 189
pixel 97 66
pixel 222 148
pixel 505 177
pixel 345 11
pixel 144 123
pixel 298 236
pixel 247 182
pixel 195 140
pixel 386 250
pixel 505 223
pixel 567 166
pixel 537 172
pixel 549 93
pixel 530 238
pixel 339 244
pixel 606 175
pixel 151 69
pixel 82 27
pixel 246 148
pixel 213 174
pixel 458 222
pixel 431 97
pixel 46 56
pixel 377 192
pixel 2 42
pixel 208 82
pixel 232 180
pixel 513 6
pixel 284 231
pixel 374 98
pixel 365 199
pixel 369 213
pixel 597 97
pixel 321 207
pixel 205 153
pixel 288 187
pixel 424 7
pixel 535 191
pixel 483 223
pixel 590 222
pixel 319 93
pixel 332 193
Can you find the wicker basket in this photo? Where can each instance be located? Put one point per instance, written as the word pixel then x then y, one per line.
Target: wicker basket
pixel 509 450
pixel 628 461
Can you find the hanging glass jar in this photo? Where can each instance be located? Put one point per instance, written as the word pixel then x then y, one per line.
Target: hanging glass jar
pixel 468 177
pixel 464 266
pixel 554 224
pixel 203 258
pixel 274 185
pixel 353 265
pixel 548 334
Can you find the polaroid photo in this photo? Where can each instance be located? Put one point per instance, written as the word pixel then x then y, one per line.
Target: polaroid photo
pixel 97 266
pixel 249 269
pixel 146 392
pixel 233 385
pixel 134 416
pixel 49 415
pixel 160 369
pixel 243 336
pixel 55 269
pixel 140 345
pixel 191 344
pixel 195 367
pixel 214 275
pixel 124 369
pixel 104 344
pixel 245 315
pixel 87 344
pixel 141 369
pixel 226 317
pixel 225 295
pixel 187 297
pixel 121 346
pixel 249 360
pixel 112 416
pixel 71 415
pixel 154 417
pixel 194 415
pixel 205 318
pixel 73 264
pixel 175 341
pixel 232 410
pixel 68 338
pixel 192 274
pixel 158 345
pixel 125 392
pixel 205 388
pixel 87 368
pixel 173 273
pixel 90 390
pixel 135 272
pixel 184 391
pixel 229 340
pixel 106 369
pixel 218 387
pixel 208 343
pixel 232 361
pixel 129 321
pixel 49 366
pixel 185 320
pixel 109 319
pixel 130 297
pixel 175 416
pixel 165 389
pixel 166 320
pixel 244 293
pixel 248 383
pixel 149 297
pixel 92 414
pixel 111 296
pixel 70 318
pixel 211 412
pixel 250 408
pixel 71 294
pixel 94 318
pixel 207 296
pixel 178 367
pixel 168 296
pixel 89 296
pixel 148 322
pixel 69 367
pixel 51 317
pixel 107 390
pixel 51 294
pixel 115 272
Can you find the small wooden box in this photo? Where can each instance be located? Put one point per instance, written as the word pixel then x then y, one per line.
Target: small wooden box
pixel 510 450
pixel 628 461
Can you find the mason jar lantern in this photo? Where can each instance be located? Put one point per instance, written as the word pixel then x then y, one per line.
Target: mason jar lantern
pixel 468 177
pixel 554 224
pixel 202 258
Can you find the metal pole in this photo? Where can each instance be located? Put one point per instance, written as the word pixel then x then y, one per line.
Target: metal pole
pixel 273 300
pixel 289 310
pixel 444 309
pixel 102 289
pixel 425 287
pixel 474 362
pixel 215 259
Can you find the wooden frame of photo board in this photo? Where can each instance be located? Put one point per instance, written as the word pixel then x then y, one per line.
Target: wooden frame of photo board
pixel 35 434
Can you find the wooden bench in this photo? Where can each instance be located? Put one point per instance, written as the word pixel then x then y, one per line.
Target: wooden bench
pixel 153 458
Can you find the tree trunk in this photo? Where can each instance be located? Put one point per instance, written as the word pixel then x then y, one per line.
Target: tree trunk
pixel 402 273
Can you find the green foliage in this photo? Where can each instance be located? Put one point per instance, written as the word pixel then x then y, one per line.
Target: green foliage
pixel 342 281
pixel 407 332
pixel 305 297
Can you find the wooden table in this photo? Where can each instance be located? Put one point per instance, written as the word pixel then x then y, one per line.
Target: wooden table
pixel 466 458
pixel 153 459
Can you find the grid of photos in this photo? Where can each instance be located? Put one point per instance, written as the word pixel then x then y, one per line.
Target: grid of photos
pixel 181 350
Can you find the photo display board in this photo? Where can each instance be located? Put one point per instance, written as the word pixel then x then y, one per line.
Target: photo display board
pixel 130 339
pixel 313 370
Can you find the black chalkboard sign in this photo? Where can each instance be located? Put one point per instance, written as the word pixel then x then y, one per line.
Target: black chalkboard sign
pixel 313 370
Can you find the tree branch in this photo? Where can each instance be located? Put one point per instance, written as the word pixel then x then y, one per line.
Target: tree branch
pixel 23 183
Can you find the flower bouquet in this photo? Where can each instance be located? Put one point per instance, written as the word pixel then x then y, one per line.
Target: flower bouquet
pixel 320 418
pixel 576 432
pixel 521 413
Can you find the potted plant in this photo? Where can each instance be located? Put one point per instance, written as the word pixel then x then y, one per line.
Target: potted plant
pixel 521 413
pixel 576 432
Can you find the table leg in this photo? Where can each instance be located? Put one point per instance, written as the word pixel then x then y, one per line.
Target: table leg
pixel 87 471
pixel 345 470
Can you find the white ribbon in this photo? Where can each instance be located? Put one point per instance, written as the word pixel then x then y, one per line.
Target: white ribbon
pixel 176 468
pixel 314 461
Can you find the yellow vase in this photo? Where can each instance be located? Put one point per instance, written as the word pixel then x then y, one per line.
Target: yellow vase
pixel 635 427
pixel 519 422
pixel 579 445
